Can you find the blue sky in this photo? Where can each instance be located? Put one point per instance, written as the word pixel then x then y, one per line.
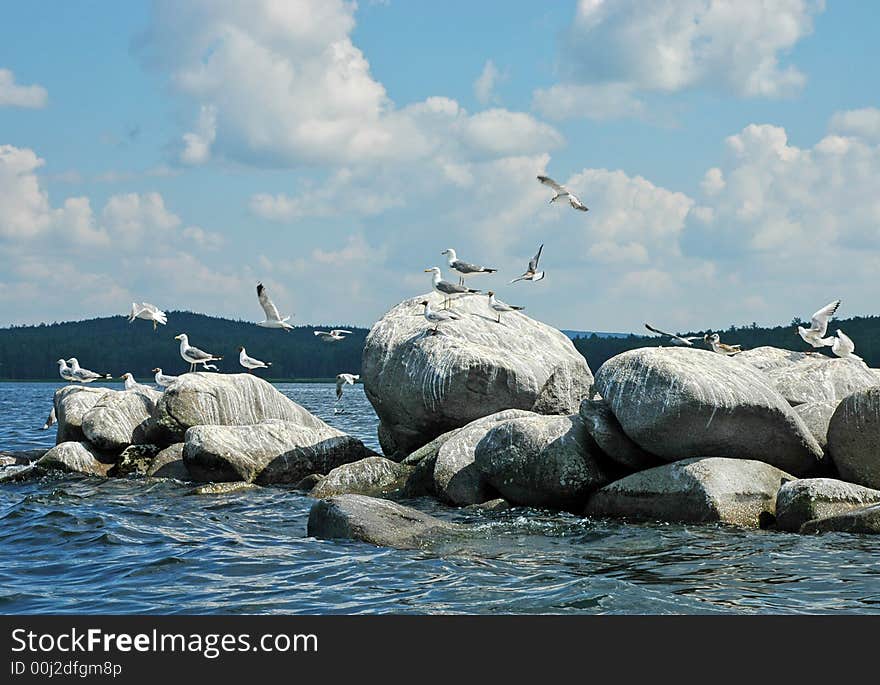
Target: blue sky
pixel 178 152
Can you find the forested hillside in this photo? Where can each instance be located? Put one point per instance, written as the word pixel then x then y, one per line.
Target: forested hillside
pixel 112 345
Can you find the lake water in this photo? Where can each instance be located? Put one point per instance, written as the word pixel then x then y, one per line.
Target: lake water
pixel 80 545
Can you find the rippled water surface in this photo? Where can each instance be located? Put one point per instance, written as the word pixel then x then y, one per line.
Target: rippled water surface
pixel 73 544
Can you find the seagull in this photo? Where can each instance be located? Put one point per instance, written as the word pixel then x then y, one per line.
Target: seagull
pixel 532 273
pixel 149 312
pixel 437 318
pixel 249 362
pixel 714 341
pixel 163 380
pixel 844 346
pixel 345 379
pixel 131 383
pixel 446 288
pixel 500 307
pixel 334 335
pixel 819 326
pixel 50 421
pixel 465 268
pixel 65 371
pixel 273 318
pixel 676 339
pixel 84 375
pixel 563 192
pixel 193 355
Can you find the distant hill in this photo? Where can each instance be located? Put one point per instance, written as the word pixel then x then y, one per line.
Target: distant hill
pixel 112 345
pixel 586 334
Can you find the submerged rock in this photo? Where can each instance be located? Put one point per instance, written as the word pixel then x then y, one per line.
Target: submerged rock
pixel 119 418
pixel 607 433
pixel 77 457
pixel 135 460
pixel 736 491
pixel 308 483
pixel 377 521
pixel 373 476
pixel 854 438
pixel 681 403
pixel 865 521
pixel 541 461
pixel 811 498
pixel 821 379
pixel 72 402
pixel 169 464
pixel 222 488
pixel 423 385
pixel 268 452
pixel 212 399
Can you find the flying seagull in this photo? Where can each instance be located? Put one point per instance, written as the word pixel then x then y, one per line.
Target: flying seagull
pixel 437 318
pixel 84 375
pixel 49 421
pixel 163 380
pixel 250 363
pixel 446 288
pixel 465 269
pixel 676 339
pixel 148 312
pixel 844 347
pixel 562 192
pixel 345 379
pixel 532 273
pixel 65 371
pixel 500 307
pixel 194 356
pixel 714 341
pixel 273 317
pixel 819 326
pixel 334 335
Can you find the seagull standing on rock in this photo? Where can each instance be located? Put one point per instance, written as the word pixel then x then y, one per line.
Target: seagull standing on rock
pixel 500 307
pixel 194 356
pixel 163 380
pixel 446 288
pixel 250 363
pixel 676 339
pixel 814 335
pixel 335 335
pixel 562 193
pixel 844 347
pixel 131 383
pixel 437 318
pixel 65 371
pixel 273 317
pixel 84 375
pixel 532 273
pixel 148 312
pixel 465 269
pixel 714 341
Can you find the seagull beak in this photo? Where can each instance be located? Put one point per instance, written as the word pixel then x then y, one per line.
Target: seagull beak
pixel 427 270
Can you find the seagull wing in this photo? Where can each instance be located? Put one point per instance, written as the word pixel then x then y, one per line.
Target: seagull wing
pixel 340 381
pixel 153 309
pixel 533 263
pixel 658 331
pixel 547 181
pixel 268 306
pixel 819 320
pixel 467 267
pixel 451 288
pixel 340 330
pixel 575 202
pixel 196 353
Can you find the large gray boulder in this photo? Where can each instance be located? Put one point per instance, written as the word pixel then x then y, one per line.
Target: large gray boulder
pixel 865 521
pixel 767 358
pixel 213 399
pixel 821 379
pixel 120 418
pixel 269 452
pixel 373 476
pixel 541 461
pixel 169 464
pixel 376 521
pixel 608 435
pixel 854 438
pixel 816 417
pixel 456 478
pixel 737 491
pixel 682 403
pixel 72 403
pixel 76 457
pixel 802 500
pixel 423 385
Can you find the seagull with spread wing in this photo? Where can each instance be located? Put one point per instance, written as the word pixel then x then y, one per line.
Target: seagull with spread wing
pixel 844 347
pixel 676 339
pixel 532 273
pixel 465 269
pixel 344 379
pixel 50 421
pixel 714 341
pixel 814 335
pixel 148 312
pixel 563 193
pixel 194 356
pixel 273 317
pixel 334 335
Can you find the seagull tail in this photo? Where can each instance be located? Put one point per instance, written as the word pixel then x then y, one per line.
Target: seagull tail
pixel 516 308
pixel 472 291
pixel 516 279
pixel 490 271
